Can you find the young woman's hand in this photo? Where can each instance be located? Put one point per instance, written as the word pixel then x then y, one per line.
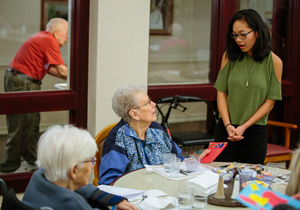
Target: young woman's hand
pixel 240 130
pixel 233 133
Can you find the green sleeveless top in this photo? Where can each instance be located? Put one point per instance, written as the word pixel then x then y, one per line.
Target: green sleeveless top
pixel 244 101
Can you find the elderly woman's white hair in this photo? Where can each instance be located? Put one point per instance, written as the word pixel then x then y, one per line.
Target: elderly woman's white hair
pixel 293 186
pixel 60 148
pixel 55 24
pixel 124 99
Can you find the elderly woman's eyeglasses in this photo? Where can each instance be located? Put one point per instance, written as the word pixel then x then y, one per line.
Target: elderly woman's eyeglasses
pixel 92 160
pixel 148 103
pixel 241 36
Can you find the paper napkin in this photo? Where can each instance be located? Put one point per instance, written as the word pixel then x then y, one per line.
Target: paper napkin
pixel 155 203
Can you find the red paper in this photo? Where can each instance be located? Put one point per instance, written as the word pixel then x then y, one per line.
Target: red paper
pixel 216 149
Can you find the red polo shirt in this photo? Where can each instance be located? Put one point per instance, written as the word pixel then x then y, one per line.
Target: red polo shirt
pixel 36 54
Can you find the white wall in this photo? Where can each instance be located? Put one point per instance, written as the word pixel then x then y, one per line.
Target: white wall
pixel 118 54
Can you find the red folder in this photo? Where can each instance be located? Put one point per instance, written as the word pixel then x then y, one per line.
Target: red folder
pixel 216 149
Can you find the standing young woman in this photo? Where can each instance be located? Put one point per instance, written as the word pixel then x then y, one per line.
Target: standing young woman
pixel 247 86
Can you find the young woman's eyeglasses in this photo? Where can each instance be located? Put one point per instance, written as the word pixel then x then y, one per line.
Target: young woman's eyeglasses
pixel 241 36
pixel 148 103
pixel 92 160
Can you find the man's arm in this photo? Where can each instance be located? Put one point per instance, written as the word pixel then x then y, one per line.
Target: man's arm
pixel 59 71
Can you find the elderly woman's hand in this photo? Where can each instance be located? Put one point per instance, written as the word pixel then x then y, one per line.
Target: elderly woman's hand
pixel 204 153
pixel 296 196
pixel 125 205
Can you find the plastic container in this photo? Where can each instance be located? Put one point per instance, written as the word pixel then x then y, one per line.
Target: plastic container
pixel 228 176
pixel 191 163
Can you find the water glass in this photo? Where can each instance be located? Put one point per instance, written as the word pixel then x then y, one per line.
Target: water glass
pixel 273 168
pixel 175 168
pixel 168 158
pixel 199 200
pixel 185 198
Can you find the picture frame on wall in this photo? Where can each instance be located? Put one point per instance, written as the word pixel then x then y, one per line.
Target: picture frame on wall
pixel 53 9
pixel 161 17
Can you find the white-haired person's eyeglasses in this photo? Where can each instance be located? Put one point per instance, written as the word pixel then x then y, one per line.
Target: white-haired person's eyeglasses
pixel 92 160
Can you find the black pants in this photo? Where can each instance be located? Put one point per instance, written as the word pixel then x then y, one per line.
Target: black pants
pixel 251 149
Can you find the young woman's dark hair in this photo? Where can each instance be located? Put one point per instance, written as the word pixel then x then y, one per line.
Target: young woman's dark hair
pixel 261 48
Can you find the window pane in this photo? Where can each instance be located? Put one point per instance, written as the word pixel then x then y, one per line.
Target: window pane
pixel 25 22
pixel 193 119
pixel 263 7
pixel 46 119
pixel 181 54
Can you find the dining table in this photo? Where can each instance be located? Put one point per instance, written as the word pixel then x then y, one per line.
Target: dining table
pixel 141 179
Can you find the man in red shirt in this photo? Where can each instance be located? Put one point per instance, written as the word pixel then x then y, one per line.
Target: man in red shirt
pixel 38 56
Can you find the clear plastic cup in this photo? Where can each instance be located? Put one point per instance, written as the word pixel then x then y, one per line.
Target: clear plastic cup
pixel 175 168
pixel 168 158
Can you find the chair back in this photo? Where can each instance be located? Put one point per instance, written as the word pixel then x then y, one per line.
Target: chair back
pixel 100 139
pixel 280 153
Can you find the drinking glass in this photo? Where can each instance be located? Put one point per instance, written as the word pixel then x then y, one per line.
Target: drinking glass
pixel 199 200
pixel 273 168
pixel 185 198
pixel 175 168
pixel 168 158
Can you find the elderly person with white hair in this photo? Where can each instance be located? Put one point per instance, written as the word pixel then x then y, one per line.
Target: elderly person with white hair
pixel 293 187
pixel 37 56
pixel 137 140
pixel 66 156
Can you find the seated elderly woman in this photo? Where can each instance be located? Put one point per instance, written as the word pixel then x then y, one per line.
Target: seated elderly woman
pixel 66 156
pixel 137 140
pixel 293 187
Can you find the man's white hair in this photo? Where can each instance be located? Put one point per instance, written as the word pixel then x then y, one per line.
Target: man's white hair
pixel 60 148
pixel 55 24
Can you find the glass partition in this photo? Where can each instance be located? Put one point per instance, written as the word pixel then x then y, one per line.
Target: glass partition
pixel 180 53
pixel 20 20
pixel 46 119
pixel 263 7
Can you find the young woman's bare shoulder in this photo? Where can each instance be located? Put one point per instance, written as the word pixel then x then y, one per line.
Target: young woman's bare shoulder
pixel 224 61
pixel 277 66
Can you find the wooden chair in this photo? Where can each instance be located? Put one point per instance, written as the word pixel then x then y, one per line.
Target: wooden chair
pixel 277 153
pixel 100 139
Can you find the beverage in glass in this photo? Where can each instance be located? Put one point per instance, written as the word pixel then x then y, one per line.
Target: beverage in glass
pixel 175 167
pixel 185 198
pixel 168 158
pixel 199 201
